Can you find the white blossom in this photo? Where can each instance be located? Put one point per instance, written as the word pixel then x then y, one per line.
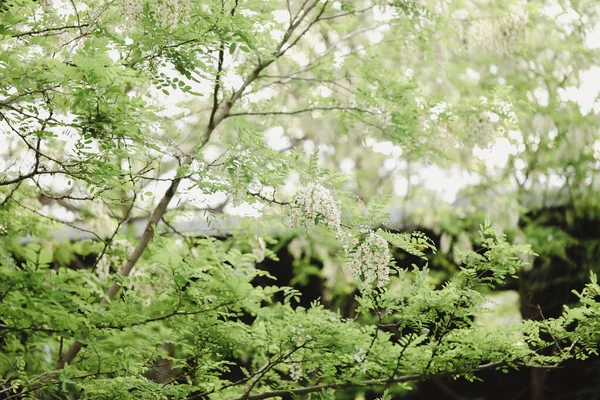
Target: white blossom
pixel 369 264
pixel 316 204
pixel 103 268
pixel 259 249
pixel 360 355
pixel 166 12
pixel 499 35
pixel 505 110
pixel 479 127
pixel 562 65
pixel 169 12
pixel 295 370
pixel 132 9
pixel 299 336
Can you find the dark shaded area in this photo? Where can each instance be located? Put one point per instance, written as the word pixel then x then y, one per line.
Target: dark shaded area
pixel 285 270
pixel 570 249
pixel 562 266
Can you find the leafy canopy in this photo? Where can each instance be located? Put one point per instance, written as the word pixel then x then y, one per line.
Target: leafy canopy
pixel 160 112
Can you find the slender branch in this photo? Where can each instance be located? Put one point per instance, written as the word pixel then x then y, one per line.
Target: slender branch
pixel 310 25
pixel 217 84
pixel 73 226
pixel 161 208
pixel 34 173
pixel 77 16
pixel 38 154
pixel 266 368
pixel 294 23
pixel 221 55
pixel 147 236
pixel 19 111
pixel 16 97
pixel 354 12
pixel 370 348
pixel 48 30
pixel 10 196
pixel 320 58
pixel 170 315
pixel 19 178
pixel 256 375
pixel 282 79
pixel 32 329
pixel 399 358
pixel 370 382
pixel 304 110
pixel 264 198
pixel 60 348
pixel 289 9
pixel 117 229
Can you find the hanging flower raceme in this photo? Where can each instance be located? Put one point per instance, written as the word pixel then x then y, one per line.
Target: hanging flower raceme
pixel 369 264
pixel 168 13
pixel 258 249
pixel 313 205
pixel 295 369
pixel 499 35
pixel 368 261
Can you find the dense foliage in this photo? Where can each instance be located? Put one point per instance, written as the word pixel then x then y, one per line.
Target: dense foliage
pixel 257 125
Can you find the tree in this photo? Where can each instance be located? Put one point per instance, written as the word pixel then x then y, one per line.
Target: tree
pixel 93 142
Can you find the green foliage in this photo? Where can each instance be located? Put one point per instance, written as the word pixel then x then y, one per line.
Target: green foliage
pixel 415 243
pixel 193 113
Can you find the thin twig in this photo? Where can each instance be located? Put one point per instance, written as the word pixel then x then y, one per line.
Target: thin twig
pixel 305 110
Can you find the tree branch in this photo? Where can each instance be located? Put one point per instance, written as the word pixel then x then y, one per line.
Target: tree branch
pixel 266 368
pixel 369 382
pixel 211 121
pixel 304 110
pixel 160 210
pixel 43 32
pixel 217 85
pixel 170 315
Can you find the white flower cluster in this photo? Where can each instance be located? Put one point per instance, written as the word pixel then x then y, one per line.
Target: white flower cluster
pixel 505 110
pixel 370 262
pixel 360 357
pixel 170 12
pixel 259 249
pixel 499 35
pixel 479 128
pixel 314 205
pixel 563 65
pixel 300 337
pixel 166 12
pixel 131 10
pixel 295 370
